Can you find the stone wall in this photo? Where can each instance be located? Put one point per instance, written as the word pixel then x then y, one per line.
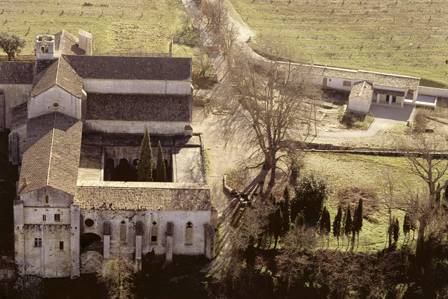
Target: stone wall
pixel 44 229
pixel 15 94
pixel 431 91
pixel 135 127
pixel 120 238
pixel 137 86
pixel 55 99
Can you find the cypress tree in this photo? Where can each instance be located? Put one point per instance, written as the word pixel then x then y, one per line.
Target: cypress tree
pixel 446 191
pixel 285 212
pixel 337 224
pixel 396 231
pixel 407 224
pixel 277 226
pixel 357 221
pixel 145 164
pixel 327 222
pixel 348 223
pixel 324 224
pixel 161 167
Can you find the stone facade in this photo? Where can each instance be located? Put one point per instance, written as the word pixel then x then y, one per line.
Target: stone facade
pixel 68 218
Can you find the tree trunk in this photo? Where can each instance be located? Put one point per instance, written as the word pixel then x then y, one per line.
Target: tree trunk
pixel 421 238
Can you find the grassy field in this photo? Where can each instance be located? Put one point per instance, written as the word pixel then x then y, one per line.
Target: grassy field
pixel 137 26
pixel 344 171
pixel 402 36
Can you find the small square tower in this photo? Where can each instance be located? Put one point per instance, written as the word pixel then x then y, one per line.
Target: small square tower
pixel 45 47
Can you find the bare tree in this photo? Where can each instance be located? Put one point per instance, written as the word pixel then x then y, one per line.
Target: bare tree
pixel 272 106
pixel 423 163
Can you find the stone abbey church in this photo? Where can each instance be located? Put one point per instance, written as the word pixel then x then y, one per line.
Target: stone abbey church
pixel 74 119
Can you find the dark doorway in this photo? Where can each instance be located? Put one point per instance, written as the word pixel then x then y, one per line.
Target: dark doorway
pixel 91 242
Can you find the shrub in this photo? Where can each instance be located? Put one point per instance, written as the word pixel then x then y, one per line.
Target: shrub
pixel 311 194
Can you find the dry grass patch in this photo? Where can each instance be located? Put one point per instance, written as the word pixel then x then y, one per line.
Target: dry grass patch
pixel 399 36
pixel 138 26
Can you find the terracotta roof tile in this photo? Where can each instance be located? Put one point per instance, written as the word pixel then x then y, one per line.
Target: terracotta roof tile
pixel 138 107
pixel 131 68
pixel 143 196
pixel 53 158
pixel 16 72
pixel 61 74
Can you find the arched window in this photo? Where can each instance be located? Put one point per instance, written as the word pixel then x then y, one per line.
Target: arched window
pixel 189 233
pixel 123 231
pixel 139 229
pixel 46 199
pixel 107 229
pixel 154 232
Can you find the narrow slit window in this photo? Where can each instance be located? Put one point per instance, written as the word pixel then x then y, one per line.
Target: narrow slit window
pixel 154 232
pixel 189 233
pixel 61 245
pixel 123 229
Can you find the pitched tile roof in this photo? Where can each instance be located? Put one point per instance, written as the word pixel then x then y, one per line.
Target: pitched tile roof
pixel 61 74
pixel 16 72
pixel 142 196
pixel 52 154
pixel 19 115
pixel 362 89
pixel 131 68
pixel 138 107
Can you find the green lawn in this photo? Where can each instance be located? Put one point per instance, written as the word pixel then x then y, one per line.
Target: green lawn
pixel 368 172
pixel 137 26
pixel 400 36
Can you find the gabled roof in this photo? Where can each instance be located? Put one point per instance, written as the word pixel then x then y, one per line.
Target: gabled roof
pixel 143 196
pixel 16 72
pixel 362 89
pixel 131 68
pixel 61 74
pixel 138 107
pixel 52 154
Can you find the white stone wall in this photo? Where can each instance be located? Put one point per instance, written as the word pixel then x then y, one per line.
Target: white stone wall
pixel 178 218
pixel 359 104
pixel 15 94
pixel 17 142
pixel 135 127
pixel 45 103
pixel 431 91
pixel 137 86
pixel 338 83
pixel 49 260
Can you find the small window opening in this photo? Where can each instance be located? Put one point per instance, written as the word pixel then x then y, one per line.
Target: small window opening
pixel 123 232
pixel 44 217
pixel 189 233
pixel 57 217
pixel 154 232
pixel 46 199
pixel 61 245
pixel 37 242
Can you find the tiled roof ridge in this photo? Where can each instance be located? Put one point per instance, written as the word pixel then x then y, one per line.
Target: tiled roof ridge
pixel 51 149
